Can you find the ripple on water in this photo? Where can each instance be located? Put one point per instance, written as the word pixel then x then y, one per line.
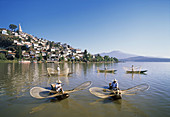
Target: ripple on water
pixel 15 85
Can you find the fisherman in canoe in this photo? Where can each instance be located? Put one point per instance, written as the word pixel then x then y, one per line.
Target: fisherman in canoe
pixel 132 68
pixel 58 68
pixel 114 85
pixel 105 67
pixel 115 90
pixel 57 87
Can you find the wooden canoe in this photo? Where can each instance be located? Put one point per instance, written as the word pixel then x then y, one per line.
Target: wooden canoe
pixel 107 71
pixel 105 93
pixel 137 72
pixel 42 93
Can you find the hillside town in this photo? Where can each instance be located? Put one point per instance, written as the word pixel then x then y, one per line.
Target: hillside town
pixel 18 45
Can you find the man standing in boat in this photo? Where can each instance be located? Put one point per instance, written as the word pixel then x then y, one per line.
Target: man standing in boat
pixel 114 85
pixel 105 67
pixel 58 69
pixel 132 68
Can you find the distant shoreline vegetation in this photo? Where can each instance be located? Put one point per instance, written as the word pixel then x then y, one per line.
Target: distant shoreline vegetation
pixel 16 45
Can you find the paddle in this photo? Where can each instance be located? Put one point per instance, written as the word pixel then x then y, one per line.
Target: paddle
pixel 35 91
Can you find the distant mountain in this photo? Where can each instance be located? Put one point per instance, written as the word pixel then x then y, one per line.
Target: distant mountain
pixel 131 57
pixel 118 54
pixel 146 59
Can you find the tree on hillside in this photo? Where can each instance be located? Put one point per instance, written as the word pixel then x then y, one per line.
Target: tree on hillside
pixel 51 44
pixel 106 58
pixel 61 59
pixel 9 32
pixel 89 57
pixel 5 41
pixel 2 56
pixel 116 60
pixel 40 56
pixel 29 39
pixel 19 52
pixel 85 52
pixel 12 27
pixel 99 58
pixel 85 55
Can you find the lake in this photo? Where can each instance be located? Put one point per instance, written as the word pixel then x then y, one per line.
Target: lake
pixel 16 80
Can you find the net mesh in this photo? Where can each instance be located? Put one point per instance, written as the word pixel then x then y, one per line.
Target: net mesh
pixel 83 85
pixel 105 93
pixel 52 71
pixel 99 92
pixel 40 93
pixel 136 89
pixel 137 68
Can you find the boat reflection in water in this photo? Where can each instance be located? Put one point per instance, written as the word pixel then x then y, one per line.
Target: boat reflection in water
pixel 17 79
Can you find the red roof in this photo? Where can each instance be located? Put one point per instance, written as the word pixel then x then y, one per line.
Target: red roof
pixel 11 53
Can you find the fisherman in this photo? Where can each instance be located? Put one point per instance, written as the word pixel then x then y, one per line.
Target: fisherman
pixel 59 87
pixel 105 67
pixel 58 68
pixel 132 68
pixel 114 85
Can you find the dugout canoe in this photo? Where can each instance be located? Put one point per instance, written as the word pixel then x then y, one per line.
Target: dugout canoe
pixel 137 72
pixel 105 93
pixel 106 71
pixel 42 93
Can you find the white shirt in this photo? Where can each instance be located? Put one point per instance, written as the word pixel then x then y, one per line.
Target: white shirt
pixel 58 68
pixel 58 85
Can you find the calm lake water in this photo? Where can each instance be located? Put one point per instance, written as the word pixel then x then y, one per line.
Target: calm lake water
pixel 16 80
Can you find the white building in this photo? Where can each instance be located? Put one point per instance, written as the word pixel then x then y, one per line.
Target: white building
pixel 35 44
pixel 15 41
pixel 37 52
pixel 76 51
pixel 52 49
pixel 16 34
pixel 4 32
pixel 20 30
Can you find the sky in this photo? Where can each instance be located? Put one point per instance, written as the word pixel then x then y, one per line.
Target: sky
pixel 140 27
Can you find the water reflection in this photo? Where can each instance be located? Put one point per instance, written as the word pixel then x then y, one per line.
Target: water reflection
pixel 17 79
pixel 135 75
pixel 121 105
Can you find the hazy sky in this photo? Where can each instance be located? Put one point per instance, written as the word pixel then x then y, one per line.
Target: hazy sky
pixel 139 27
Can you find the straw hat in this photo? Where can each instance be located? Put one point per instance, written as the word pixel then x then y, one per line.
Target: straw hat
pixel 58 81
pixel 115 80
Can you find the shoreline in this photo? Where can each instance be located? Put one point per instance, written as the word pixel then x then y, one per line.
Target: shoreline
pixel 17 61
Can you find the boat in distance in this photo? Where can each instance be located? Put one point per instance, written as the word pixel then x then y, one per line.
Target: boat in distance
pixel 106 71
pixel 137 72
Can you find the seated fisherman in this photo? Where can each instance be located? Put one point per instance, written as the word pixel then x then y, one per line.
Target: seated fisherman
pixel 57 87
pixel 114 85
